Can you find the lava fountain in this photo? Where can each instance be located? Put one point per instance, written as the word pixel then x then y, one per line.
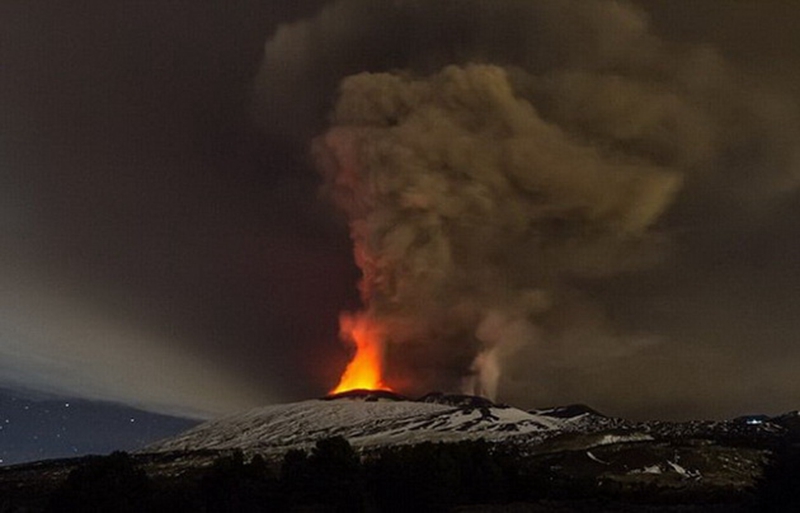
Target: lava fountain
pixel 365 370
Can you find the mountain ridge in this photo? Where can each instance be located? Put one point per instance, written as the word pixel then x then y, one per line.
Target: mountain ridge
pixel 371 419
pixel 367 419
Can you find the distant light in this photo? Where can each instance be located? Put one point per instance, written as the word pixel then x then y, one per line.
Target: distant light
pixel 753 422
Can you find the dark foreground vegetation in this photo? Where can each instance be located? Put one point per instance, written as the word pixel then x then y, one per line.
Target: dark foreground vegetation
pixel 468 476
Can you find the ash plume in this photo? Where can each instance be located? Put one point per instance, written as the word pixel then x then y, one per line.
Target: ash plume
pixel 467 209
pixel 498 160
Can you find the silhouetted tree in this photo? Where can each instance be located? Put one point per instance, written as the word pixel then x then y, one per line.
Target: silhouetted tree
pixel 482 476
pixel 330 477
pixel 104 484
pixel 435 477
pixel 779 490
pixel 231 485
pixel 336 477
pixel 295 477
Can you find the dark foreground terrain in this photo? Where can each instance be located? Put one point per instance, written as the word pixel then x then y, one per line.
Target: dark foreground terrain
pixel 750 464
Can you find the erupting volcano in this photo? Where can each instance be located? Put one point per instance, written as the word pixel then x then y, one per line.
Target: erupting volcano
pixel 466 208
pixel 464 219
pixel 365 370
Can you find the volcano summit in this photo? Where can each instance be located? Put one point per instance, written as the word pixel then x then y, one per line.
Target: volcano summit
pixel 370 419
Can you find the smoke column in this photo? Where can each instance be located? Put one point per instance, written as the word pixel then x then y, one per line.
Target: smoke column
pixel 495 160
pixel 466 208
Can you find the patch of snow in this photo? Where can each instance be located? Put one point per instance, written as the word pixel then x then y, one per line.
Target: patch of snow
pixel 689 474
pixel 652 469
pixel 629 437
pixel 595 458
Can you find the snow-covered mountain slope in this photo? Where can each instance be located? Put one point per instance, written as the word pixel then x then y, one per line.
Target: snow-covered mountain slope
pixel 366 420
pixel 371 420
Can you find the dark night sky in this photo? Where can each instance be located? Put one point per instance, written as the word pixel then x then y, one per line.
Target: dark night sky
pixel 161 251
pixel 35 427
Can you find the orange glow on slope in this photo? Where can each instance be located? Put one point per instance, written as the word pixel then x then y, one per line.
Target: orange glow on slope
pixel 365 370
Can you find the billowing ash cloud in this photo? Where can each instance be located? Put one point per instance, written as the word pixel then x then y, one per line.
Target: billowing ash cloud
pixel 467 210
pixel 497 161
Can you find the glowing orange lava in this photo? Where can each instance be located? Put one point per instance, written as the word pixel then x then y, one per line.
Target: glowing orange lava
pixel 365 370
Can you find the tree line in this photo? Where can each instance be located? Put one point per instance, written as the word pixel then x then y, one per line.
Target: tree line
pixel 329 477
pixel 332 477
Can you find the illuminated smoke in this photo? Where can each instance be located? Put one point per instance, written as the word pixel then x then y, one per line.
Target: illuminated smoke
pixel 495 158
pixel 465 204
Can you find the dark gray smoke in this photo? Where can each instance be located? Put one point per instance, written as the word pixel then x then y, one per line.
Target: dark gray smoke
pixel 500 161
pixel 468 210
